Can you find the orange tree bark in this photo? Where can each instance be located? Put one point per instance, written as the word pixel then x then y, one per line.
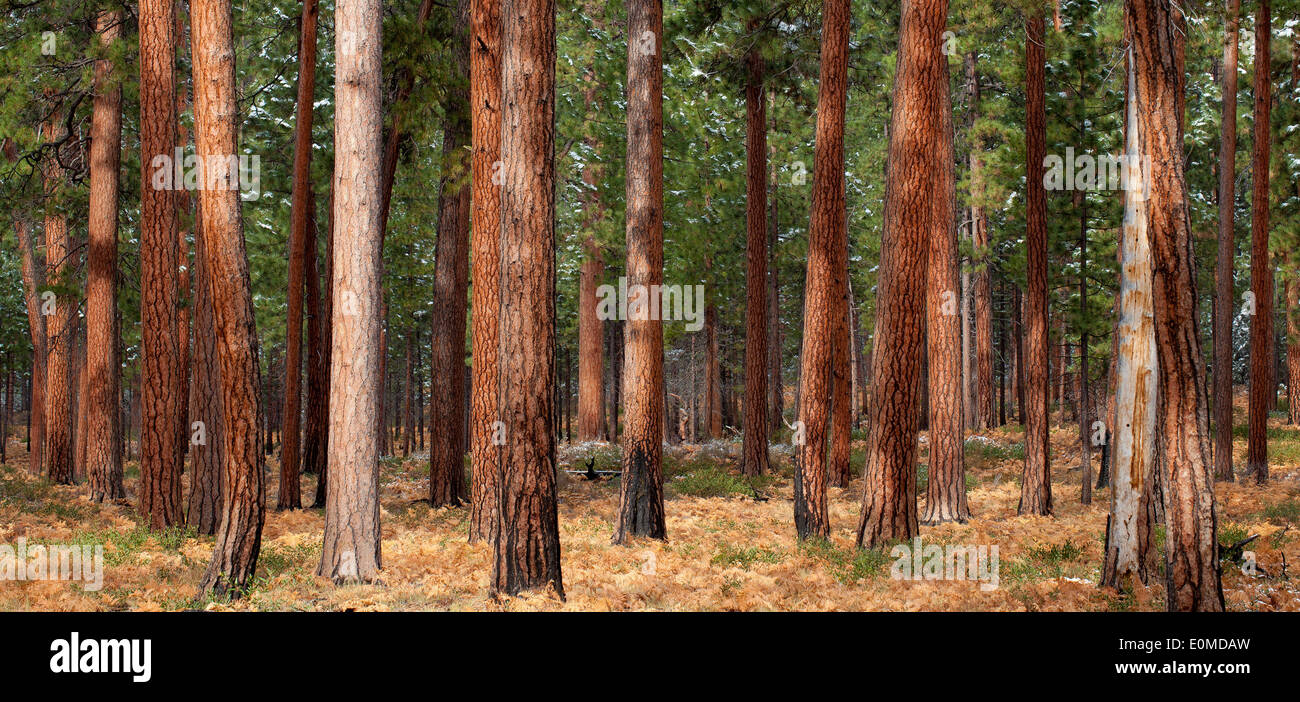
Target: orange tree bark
pixel 754 449
pixel 1191 562
pixel 447 356
pixel 945 493
pixel 207 458
pixel 1223 275
pixel 526 546
pixel 352 536
pixel 591 359
pixel 841 407
pixel 243 490
pixel 60 327
pixel 291 442
pixel 889 496
pixel 1036 484
pixel 103 457
pixel 485 242
pixel 641 491
pixel 774 385
pixel 160 460
pixel 1261 268
pixel 811 519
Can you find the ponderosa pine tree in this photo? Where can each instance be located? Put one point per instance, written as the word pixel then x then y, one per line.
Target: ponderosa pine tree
pixel 291 441
pixel 60 325
pixel 243 487
pixel 485 242
pixel 913 181
pixel 1223 275
pixel 207 447
pixel 945 493
pixel 526 546
pixel 33 279
pixel 641 489
pixel 351 550
pixel 160 459
pixel 447 355
pixel 1192 568
pixel 811 517
pixel 1129 546
pixel 1261 267
pixel 103 455
pixel 754 449
pixel 1036 484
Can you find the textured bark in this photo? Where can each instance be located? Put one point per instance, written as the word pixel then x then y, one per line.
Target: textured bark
pixel 485 117
pixel 1128 528
pixel 1262 392
pixel 826 234
pixel 526 546
pixel 591 358
pixel 352 535
pixel 103 455
pixel 447 355
pixel 239 533
pixel 160 459
pixel 1223 276
pixel 1293 343
pixel 641 498
pixel 1036 485
pixel 754 449
pixel 889 498
pixel 290 451
pixel 1192 563
pixel 945 493
pixel 207 458
pixel 60 328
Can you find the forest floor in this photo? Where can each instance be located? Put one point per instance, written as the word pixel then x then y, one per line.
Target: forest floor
pixel 725 550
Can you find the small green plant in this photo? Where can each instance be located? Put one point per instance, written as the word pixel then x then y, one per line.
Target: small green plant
pixel 1231 533
pixel 1285 512
pixel 1040 562
pixel 847 566
pixel 710 482
pixel 744 558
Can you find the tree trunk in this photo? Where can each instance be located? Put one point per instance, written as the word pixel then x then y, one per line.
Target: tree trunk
pixel 526 546
pixel 485 115
pixel 103 458
pixel 207 447
pixel 826 236
pixel 33 280
pixel 290 451
pixel 1128 529
pixel 1036 486
pixel 641 499
pixel 1262 391
pixel 351 549
pixel 447 355
pixel 316 434
pixel 1223 276
pixel 1192 564
pixel 327 352
pixel 775 385
pixel 160 459
pixel 60 327
pixel 915 134
pixel 239 533
pixel 945 494
pixel 756 281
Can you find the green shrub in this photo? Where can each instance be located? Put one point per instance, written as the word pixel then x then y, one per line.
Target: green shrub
pixel 744 558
